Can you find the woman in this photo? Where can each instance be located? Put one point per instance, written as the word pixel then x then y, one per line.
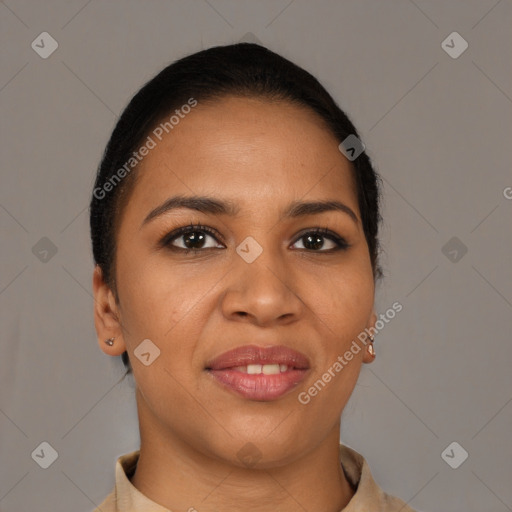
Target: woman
pixel 234 225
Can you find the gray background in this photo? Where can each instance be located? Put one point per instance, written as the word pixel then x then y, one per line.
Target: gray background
pixel 439 131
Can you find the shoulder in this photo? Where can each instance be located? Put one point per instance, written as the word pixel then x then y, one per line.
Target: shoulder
pixel 368 496
pixel 123 489
pixel 109 504
pixel 394 504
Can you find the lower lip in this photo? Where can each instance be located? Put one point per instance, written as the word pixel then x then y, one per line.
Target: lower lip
pixel 259 387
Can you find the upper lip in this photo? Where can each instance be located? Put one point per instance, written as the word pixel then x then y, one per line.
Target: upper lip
pixel 253 354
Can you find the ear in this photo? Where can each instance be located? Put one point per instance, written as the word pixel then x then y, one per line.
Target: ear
pixel 367 358
pixel 106 316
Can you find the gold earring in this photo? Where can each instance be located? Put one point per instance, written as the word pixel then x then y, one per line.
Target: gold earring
pixel 110 341
pixel 370 348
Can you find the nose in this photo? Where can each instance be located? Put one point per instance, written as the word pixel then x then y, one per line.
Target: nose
pixel 262 292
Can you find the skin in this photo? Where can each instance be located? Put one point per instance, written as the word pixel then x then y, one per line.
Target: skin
pixel 262 156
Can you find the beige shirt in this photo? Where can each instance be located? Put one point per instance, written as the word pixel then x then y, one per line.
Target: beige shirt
pixel 369 497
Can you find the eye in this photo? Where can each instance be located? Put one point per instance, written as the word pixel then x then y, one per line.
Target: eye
pixel 314 240
pixel 191 238
pixel 194 237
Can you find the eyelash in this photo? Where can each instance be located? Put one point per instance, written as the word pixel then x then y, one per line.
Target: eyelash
pixel 199 228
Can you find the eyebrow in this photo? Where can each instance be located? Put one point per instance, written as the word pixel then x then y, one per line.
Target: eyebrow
pixel 212 206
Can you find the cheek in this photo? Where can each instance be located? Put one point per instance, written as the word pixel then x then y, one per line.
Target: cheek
pixel 343 301
pixel 344 305
pixel 167 303
pixel 342 298
pixel 156 292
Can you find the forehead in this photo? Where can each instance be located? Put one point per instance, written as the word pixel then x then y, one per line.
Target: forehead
pixel 249 149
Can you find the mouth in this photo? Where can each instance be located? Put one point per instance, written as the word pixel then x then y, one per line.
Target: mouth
pixel 259 373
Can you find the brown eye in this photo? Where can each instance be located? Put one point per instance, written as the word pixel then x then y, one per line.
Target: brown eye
pixel 315 241
pixel 191 238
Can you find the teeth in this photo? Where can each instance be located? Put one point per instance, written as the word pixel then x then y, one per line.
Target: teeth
pixel 253 369
pixel 270 369
pixel 265 369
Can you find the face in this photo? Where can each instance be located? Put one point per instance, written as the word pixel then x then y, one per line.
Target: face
pixel 257 275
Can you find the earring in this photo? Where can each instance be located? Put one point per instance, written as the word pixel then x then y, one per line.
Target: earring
pixel 110 341
pixel 370 348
